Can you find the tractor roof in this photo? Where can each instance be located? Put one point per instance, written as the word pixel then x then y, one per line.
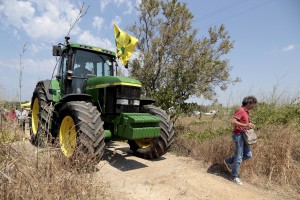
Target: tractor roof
pixel 92 48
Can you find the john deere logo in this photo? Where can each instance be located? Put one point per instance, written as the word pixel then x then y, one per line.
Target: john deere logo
pixel 131 101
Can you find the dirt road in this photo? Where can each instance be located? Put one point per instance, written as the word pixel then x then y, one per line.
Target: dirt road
pixel 169 178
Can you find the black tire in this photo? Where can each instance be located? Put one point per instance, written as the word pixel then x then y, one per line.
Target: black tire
pixel 81 120
pixel 40 120
pixel 151 148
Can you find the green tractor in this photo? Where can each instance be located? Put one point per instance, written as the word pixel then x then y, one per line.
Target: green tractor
pixel 86 104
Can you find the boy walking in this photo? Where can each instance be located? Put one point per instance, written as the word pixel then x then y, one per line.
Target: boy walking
pixel 241 123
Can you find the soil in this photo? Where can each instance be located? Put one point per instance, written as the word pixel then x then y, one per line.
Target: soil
pixel 173 177
pixel 170 177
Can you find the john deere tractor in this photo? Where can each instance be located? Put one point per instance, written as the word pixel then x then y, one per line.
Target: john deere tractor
pixel 86 104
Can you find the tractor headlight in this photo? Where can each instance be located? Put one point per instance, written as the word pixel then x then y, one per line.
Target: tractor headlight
pixel 122 101
pixel 136 102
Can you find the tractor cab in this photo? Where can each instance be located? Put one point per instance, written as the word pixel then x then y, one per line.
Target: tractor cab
pixel 80 62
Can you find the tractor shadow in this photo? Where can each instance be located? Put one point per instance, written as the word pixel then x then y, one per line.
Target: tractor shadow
pixel 122 158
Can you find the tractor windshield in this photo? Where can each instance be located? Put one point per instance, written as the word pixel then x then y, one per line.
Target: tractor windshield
pixel 94 63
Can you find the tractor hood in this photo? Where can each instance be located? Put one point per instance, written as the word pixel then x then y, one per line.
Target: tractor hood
pixel 105 81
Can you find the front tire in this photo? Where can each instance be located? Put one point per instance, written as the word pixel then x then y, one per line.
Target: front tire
pixel 150 148
pixel 39 121
pixel 81 133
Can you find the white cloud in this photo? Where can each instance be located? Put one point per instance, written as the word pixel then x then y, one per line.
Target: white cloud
pixel 103 4
pixel 87 38
pixel 119 3
pixel 40 19
pixel 16 34
pixel 129 8
pixel 117 20
pixel 98 22
pixel 289 48
pixel 17 12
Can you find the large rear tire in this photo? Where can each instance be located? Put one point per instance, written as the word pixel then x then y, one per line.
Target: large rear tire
pixel 81 133
pixel 40 118
pixel 150 148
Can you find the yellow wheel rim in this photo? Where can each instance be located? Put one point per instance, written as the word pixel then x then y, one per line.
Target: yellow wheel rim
pixel 35 116
pixel 67 136
pixel 144 143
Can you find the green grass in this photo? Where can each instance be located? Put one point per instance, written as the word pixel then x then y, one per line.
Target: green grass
pixel 206 134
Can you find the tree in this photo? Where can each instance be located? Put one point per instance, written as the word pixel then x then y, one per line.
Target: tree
pixel 173 64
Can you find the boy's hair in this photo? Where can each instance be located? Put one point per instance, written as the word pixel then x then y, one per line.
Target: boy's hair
pixel 250 100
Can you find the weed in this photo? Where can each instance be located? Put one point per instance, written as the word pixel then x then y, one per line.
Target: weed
pixel 276 159
pixel 30 173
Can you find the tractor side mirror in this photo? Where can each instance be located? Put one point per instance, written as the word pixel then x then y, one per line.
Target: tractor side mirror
pixel 56 50
pixel 58 76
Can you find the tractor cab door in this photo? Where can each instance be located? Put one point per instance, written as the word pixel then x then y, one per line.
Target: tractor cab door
pixel 61 75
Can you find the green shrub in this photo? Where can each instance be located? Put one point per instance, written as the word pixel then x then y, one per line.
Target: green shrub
pixel 271 114
pixel 207 134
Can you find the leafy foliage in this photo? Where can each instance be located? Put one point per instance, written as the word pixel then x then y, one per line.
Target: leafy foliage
pixel 173 64
pixel 272 114
pixel 208 134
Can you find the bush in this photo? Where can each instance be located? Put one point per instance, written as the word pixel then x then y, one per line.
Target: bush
pixel 206 134
pixel 272 114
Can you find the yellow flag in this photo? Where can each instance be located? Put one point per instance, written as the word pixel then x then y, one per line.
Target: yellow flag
pixel 125 44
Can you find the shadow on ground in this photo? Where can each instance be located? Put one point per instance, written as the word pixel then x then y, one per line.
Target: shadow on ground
pixel 219 170
pixel 122 158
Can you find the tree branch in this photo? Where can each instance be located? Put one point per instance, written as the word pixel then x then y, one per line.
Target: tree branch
pixel 82 12
pixel 21 69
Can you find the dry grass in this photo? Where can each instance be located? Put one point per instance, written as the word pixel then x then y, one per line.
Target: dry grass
pixel 42 175
pixel 276 156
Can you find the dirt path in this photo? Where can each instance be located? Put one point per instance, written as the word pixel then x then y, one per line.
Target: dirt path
pixel 168 178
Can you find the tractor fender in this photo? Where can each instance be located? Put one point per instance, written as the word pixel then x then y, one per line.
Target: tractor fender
pixel 146 101
pixel 75 97
pixel 45 85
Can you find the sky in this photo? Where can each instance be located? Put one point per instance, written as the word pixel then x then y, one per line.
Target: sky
pixel 266 36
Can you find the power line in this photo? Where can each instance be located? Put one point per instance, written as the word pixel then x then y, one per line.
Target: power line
pixel 220 10
pixel 240 13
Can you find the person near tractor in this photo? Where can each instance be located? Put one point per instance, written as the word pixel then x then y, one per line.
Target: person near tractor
pixel 11 115
pixel 22 117
pixel 79 76
pixel 18 114
pixel 241 123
